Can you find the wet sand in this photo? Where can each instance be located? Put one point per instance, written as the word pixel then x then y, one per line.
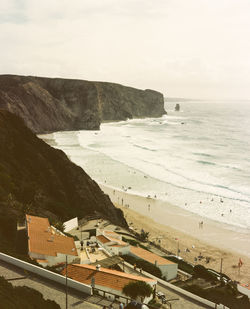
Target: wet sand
pixel 174 227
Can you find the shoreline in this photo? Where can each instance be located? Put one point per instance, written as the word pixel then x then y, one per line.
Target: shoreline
pixel 167 223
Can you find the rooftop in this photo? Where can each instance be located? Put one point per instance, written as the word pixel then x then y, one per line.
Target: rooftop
pixel 42 239
pixel 149 256
pixel 103 277
pixel 103 239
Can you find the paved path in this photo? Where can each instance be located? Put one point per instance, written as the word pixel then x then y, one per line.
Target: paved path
pixel 51 290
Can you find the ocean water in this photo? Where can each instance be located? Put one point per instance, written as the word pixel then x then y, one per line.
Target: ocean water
pixel 197 158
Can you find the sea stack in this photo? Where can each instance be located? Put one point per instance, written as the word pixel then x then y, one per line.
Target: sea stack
pixel 177 107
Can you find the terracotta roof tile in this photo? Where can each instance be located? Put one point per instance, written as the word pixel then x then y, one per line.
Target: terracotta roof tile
pixel 102 239
pixel 149 256
pixel 42 239
pixel 104 277
pixel 120 242
pixel 110 233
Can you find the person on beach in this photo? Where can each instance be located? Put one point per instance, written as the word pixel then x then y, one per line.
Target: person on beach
pixel 148 207
pixel 122 201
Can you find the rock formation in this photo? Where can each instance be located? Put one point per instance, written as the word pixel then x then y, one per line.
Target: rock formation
pixel 54 104
pixel 38 179
pixel 177 107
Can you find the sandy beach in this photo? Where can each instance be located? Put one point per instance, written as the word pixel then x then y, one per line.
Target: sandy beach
pixel 172 227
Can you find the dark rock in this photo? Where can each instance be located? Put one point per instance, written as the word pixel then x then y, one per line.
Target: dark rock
pixel 38 179
pixel 54 104
pixel 177 107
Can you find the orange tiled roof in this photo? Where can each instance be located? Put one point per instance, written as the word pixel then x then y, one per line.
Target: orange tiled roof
pixel 104 277
pixel 149 256
pixel 103 239
pixel 43 240
pixel 110 233
pixel 120 242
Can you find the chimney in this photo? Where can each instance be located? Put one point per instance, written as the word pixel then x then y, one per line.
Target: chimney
pixel 98 266
pixel 156 264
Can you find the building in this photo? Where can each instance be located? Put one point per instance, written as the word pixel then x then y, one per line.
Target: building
pixel 112 242
pixel 70 224
pixel 168 268
pixel 47 245
pixel 110 282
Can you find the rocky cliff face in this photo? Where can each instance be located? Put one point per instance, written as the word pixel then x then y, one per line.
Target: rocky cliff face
pixel 38 179
pixel 54 104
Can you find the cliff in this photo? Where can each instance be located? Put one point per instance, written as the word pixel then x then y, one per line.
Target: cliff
pixel 38 179
pixel 55 104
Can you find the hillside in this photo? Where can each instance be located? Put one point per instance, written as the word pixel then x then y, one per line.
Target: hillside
pixel 56 104
pixel 38 179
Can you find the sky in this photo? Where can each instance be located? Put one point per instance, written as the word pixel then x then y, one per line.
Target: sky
pixel 183 48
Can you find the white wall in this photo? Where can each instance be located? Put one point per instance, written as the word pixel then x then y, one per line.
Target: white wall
pixel 169 270
pixel 70 224
pixel 46 273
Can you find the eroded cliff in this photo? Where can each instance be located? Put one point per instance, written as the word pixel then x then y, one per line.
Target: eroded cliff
pixel 38 179
pixel 54 104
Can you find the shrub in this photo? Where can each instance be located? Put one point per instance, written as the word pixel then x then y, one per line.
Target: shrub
pixel 148 267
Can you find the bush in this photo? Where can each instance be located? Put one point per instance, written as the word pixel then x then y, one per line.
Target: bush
pixel 201 272
pixel 182 265
pixel 148 267
pixel 134 242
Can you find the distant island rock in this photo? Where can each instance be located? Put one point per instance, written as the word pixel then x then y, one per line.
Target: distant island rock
pixel 56 104
pixel 177 107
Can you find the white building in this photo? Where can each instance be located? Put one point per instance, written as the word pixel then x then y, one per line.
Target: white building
pixel 70 224
pixel 112 242
pixel 168 268
pixel 46 245
pixel 107 280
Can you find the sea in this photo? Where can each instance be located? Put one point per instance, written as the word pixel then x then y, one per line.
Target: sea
pixel 197 158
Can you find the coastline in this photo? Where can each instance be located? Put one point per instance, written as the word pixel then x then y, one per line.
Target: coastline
pixel 167 223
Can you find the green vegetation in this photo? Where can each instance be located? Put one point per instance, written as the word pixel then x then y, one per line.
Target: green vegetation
pixel 226 295
pixel 134 242
pixel 22 298
pixel 220 289
pixel 137 289
pixel 182 265
pixel 148 267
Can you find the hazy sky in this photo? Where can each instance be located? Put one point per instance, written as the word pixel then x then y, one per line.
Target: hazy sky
pixel 183 48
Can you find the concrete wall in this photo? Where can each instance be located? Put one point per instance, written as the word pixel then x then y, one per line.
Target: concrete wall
pixel 118 250
pixel 169 271
pixel 46 274
pixel 70 225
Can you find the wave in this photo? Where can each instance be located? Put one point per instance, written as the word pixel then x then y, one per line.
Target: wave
pixel 206 162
